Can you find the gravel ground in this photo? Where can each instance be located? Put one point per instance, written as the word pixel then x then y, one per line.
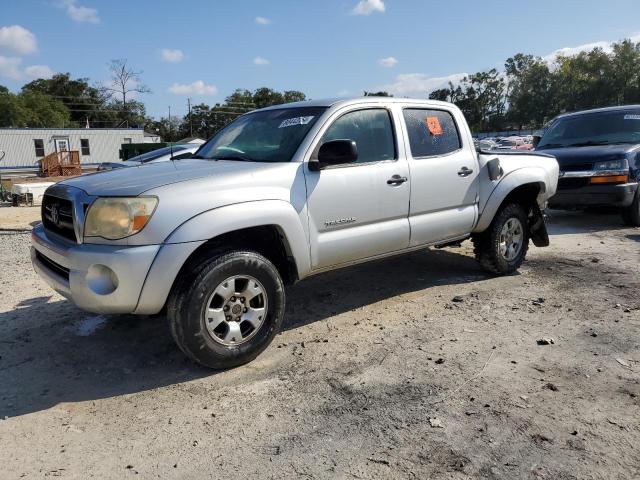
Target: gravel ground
pixel 378 373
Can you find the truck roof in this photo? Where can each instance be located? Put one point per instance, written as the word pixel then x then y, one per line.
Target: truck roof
pixel 331 102
pixel 598 110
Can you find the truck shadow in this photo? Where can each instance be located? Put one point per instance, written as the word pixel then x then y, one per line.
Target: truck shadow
pixel 52 353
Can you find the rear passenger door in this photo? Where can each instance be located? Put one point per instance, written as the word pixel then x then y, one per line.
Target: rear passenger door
pixel 444 175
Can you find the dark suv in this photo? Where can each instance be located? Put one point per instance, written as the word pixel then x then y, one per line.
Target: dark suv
pixel 599 156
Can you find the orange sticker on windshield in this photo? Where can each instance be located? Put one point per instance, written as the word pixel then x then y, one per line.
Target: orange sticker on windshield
pixel 433 124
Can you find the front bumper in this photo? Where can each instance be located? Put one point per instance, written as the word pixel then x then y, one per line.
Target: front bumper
pixel 595 195
pixel 97 278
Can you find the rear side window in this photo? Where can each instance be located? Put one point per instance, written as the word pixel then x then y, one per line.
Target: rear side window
pixel 431 132
pixel 371 129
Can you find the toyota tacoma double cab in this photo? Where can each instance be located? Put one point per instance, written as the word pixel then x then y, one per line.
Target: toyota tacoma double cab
pixel 598 152
pixel 278 195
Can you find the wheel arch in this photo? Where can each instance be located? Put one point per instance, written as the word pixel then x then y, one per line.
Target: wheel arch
pixel 523 186
pixel 279 236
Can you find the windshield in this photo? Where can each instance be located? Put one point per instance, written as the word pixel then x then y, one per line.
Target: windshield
pixel 602 128
pixel 154 154
pixel 267 136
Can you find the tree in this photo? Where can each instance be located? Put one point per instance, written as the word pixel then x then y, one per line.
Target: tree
pixel 33 110
pixel 377 94
pixel 265 97
pixel 125 81
pixel 625 61
pixel 530 90
pixel 83 101
pixel 293 96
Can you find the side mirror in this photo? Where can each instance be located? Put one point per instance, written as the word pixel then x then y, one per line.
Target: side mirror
pixel 335 152
pixel 536 140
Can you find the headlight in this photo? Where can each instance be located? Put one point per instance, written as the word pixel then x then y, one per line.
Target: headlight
pixel 118 217
pixel 621 164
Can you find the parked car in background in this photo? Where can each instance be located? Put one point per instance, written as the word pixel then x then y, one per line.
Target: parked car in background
pixel 485 144
pixel 513 143
pixel 164 154
pixel 599 156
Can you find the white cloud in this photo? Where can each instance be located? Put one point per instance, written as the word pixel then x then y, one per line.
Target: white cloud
pixel 571 51
pixel 367 7
pixel 171 55
pixel 388 62
pixel 79 13
pixel 39 71
pixel 261 61
pixel 10 67
pixel 343 93
pixel 262 21
pixel 419 84
pixel 18 40
pixel 196 88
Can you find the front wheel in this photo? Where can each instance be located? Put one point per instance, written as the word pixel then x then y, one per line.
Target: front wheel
pixel 225 310
pixel 502 248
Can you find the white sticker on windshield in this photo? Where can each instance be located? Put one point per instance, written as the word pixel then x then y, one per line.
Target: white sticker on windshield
pixel 290 122
pixel 632 117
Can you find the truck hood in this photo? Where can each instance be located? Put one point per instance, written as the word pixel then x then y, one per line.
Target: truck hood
pixel 132 181
pixel 574 156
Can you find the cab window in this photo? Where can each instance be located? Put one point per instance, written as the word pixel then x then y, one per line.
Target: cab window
pixel 372 131
pixel 431 132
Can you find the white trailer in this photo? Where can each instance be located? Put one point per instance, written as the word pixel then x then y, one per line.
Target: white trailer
pixel 25 147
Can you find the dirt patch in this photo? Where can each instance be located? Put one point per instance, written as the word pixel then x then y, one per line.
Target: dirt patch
pixel 18 218
pixel 378 373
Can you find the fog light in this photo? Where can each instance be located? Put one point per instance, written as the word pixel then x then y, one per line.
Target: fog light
pixel 101 279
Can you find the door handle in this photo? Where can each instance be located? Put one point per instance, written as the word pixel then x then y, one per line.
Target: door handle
pixel 396 180
pixel 464 172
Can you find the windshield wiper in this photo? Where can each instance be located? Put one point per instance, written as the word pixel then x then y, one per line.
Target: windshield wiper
pixel 237 156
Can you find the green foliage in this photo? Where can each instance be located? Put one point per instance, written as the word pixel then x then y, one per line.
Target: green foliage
pixel 82 100
pixel 32 109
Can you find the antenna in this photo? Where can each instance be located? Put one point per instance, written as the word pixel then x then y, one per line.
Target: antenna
pixel 170 143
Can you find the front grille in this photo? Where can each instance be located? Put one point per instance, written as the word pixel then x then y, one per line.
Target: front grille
pixel 577 182
pixel 57 216
pixel 577 167
pixel 53 266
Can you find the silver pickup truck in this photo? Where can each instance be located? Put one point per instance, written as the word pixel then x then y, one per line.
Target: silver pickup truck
pixel 280 194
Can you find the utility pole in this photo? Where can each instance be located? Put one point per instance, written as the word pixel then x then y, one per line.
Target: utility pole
pixel 190 124
pixel 169 123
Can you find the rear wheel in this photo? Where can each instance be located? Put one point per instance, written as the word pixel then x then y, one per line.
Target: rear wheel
pixel 502 248
pixel 631 214
pixel 225 310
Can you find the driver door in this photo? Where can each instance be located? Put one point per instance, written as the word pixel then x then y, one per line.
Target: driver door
pixel 359 210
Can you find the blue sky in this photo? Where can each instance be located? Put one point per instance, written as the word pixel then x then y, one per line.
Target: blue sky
pixel 204 49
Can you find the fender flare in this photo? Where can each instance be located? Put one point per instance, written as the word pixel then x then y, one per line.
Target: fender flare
pixel 508 183
pixel 193 233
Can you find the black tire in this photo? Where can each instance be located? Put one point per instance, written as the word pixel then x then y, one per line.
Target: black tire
pixel 185 308
pixel 631 214
pixel 487 244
